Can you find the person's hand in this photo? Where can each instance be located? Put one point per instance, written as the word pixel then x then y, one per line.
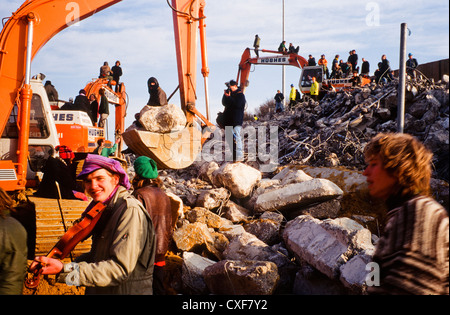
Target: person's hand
pixel 50 266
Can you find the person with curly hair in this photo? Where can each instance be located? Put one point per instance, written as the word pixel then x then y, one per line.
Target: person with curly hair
pixel 413 250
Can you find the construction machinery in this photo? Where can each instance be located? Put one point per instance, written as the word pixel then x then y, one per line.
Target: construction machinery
pixel 30 127
pixel 295 60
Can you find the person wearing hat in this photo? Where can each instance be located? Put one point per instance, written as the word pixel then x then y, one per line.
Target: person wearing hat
pixel 146 184
pixel 123 241
pixel 234 101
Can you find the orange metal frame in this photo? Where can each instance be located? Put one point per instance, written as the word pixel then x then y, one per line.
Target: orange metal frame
pixel 247 61
pixel 47 18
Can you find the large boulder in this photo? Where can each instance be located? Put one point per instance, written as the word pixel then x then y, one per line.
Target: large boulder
pixel 238 178
pixel 192 272
pixel 297 195
pixel 339 248
pixel 234 277
pixel 162 119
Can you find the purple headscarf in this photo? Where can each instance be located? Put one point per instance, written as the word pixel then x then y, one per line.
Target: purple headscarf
pixel 94 162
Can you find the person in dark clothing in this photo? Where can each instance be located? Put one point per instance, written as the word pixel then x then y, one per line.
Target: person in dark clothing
pixel 103 109
pixel 411 65
pixel 116 74
pixel 293 49
pixel 311 61
pixel 234 102
pixel 279 97
pixel 353 59
pixel 68 105
pixel 355 79
pixel 365 67
pixel 157 95
pixel 56 170
pixel 335 67
pixel 256 44
pixel 146 184
pixel 385 69
pixel 94 108
pixel 82 103
pixel 52 94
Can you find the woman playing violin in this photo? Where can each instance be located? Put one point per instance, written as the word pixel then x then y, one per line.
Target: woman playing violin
pixel 123 241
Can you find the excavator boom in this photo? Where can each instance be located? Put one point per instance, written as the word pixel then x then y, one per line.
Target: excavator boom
pixel 179 149
pixel 24 34
pixel 278 58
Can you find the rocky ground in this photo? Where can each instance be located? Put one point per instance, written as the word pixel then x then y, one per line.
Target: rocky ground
pixel 304 224
pixel 308 226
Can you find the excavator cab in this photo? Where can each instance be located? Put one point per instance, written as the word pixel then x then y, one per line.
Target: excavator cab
pixel 306 77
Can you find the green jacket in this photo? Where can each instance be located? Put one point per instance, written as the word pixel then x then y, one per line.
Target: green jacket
pixel 123 251
pixel 104 105
pixel 13 256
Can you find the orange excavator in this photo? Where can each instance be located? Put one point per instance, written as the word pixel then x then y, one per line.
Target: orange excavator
pixel 25 142
pixel 295 60
pixel 30 125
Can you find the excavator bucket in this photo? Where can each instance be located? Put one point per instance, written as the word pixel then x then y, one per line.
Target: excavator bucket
pixel 174 150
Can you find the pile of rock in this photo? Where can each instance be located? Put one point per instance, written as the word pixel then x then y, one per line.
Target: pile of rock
pixel 240 233
pixel 309 227
pixel 335 131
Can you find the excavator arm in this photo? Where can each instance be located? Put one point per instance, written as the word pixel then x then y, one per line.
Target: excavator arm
pixel 179 149
pixel 24 34
pixel 289 59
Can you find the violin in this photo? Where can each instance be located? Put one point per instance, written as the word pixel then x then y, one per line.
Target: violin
pixel 77 233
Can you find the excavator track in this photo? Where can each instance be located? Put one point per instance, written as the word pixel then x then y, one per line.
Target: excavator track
pixel 49 223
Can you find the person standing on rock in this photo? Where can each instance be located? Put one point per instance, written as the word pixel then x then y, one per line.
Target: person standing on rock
pixel 157 95
pixel 292 97
pixel 123 241
pixel 279 97
pixel 411 65
pixel 146 184
pixel 365 68
pixel 234 101
pixel 385 69
pixel 413 251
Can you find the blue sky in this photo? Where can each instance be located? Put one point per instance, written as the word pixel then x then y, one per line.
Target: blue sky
pixel 139 33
